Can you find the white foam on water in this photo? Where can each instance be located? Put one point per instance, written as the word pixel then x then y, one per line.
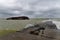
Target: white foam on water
pixel 57 23
pixel 28 25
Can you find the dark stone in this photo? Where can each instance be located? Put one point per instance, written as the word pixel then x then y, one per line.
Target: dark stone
pixel 18 18
pixel 51 25
pixel 47 24
pixel 34 33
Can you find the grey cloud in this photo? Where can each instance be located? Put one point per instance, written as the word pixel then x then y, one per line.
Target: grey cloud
pixel 28 12
pixel 52 13
pixel 32 8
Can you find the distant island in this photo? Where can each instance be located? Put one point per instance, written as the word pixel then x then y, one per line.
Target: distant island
pixel 18 18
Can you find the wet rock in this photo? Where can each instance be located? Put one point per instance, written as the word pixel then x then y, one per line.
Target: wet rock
pixel 47 24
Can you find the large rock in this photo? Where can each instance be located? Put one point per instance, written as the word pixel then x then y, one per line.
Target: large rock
pixel 47 24
pixel 51 25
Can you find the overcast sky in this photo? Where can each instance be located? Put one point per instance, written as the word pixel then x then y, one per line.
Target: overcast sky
pixel 30 8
